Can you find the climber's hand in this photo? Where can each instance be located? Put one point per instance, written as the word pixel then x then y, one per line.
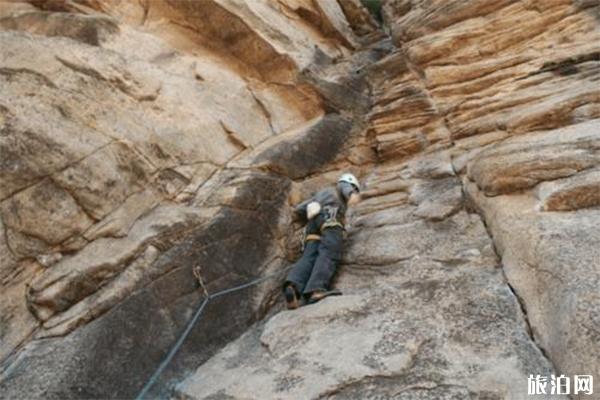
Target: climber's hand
pixel 312 209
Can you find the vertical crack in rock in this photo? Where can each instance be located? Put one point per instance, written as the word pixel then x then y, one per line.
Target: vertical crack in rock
pixel 233 137
pixel 263 109
pixel 518 298
pixel 420 75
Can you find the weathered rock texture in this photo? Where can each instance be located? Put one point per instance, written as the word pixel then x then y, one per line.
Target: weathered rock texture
pixel 143 143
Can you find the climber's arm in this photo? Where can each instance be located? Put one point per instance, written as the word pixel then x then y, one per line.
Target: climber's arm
pixel 300 211
pixel 306 210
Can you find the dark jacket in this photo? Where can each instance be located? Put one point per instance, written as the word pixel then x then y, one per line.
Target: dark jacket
pixel 333 206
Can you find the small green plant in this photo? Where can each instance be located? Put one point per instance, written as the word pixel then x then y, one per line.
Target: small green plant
pixel 374 7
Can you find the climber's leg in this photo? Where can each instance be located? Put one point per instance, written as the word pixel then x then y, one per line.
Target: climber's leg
pixel 330 253
pixel 301 270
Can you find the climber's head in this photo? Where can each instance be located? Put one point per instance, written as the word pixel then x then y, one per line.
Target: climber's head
pixel 349 188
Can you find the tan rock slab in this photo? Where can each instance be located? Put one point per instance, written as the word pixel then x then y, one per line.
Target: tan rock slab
pixel 578 191
pixel 45 211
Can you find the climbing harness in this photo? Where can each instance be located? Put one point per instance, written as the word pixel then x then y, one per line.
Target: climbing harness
pixel 331 224
pixel 329 214
pixel 307 237
pixel 207 297
pixel 312 236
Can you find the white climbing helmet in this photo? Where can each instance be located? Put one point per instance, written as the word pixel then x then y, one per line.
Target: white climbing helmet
pixel 351 179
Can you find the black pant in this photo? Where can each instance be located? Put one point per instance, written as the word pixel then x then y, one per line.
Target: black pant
pixel 314 270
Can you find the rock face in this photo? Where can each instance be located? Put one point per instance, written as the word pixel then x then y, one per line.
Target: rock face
pixel 489 100
pixel 147 144
pixel 137 145
pixel 427 315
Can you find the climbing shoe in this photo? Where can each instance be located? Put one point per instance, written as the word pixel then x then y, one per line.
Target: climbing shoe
pixel 318 295
pixel 291 297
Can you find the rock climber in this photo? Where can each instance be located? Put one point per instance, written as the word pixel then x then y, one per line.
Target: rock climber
pixel 324 213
